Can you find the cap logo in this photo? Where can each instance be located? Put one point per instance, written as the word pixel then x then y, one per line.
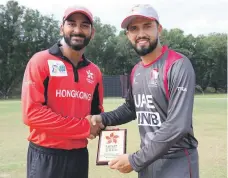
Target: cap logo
pixel 138 6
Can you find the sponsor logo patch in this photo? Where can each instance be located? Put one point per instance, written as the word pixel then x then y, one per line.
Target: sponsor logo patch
pixel 57 68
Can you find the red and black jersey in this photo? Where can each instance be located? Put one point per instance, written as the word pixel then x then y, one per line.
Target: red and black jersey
pixel 56 98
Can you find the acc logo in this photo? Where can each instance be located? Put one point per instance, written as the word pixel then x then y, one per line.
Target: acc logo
pixel 134 80
pixel 89 76
pixel 57 68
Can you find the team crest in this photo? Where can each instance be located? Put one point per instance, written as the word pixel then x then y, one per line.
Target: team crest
pixel 153 80
pixel 90 77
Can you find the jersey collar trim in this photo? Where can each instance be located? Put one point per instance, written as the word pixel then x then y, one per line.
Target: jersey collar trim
pixel 55 50
pixel 164 49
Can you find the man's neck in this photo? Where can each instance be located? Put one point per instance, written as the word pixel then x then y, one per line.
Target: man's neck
pixel 149 58
pixel 72 55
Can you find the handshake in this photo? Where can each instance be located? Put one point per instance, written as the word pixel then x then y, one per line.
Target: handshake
pixel 96 125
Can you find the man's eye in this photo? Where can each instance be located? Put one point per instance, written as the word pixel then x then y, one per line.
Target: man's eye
pixel 85 25
pixel 132 28
pixel 71 24
pixel 148 26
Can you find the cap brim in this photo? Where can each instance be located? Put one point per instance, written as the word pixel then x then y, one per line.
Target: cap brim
pixel 79 11
pixel 128 20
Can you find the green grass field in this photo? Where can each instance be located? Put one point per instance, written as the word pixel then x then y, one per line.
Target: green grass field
pixel 210 113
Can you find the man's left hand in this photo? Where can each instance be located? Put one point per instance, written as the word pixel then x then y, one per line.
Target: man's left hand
pixel 121 163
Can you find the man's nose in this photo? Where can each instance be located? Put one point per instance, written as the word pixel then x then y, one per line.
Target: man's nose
pixel 141 33
pixel 77 29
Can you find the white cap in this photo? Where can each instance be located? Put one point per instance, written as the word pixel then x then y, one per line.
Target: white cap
pixel 140 10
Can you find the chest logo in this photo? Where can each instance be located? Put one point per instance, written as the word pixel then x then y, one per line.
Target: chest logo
pixel 57 68
pixel 153 80
pixel 134 80
pixel 90 76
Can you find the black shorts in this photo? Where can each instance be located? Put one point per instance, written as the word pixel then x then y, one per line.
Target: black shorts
pixel 56 163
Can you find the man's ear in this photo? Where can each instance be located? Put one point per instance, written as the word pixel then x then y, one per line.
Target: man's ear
pixel 61 29
pixel 93 33
pixel 126 33
pixel 160 30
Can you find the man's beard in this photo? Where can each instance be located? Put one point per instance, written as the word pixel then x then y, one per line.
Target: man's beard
pixel 142 51
pixel 77 47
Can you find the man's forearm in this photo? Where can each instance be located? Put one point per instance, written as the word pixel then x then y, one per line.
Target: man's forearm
pixel 121 115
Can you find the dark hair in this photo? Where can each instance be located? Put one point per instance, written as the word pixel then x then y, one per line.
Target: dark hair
pixel 157 23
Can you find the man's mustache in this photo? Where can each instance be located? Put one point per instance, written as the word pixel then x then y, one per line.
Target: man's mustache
pixel 142 38
pixel 78 35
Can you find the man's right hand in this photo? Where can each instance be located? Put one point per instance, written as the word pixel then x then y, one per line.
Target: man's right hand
pixel 95 124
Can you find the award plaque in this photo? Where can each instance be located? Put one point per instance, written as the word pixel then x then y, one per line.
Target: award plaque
pixel 111 144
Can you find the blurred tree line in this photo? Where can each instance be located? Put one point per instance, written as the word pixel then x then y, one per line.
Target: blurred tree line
pixel 25 31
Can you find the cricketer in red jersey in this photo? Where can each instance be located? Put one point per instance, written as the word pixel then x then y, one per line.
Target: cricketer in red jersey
pixel 61 87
